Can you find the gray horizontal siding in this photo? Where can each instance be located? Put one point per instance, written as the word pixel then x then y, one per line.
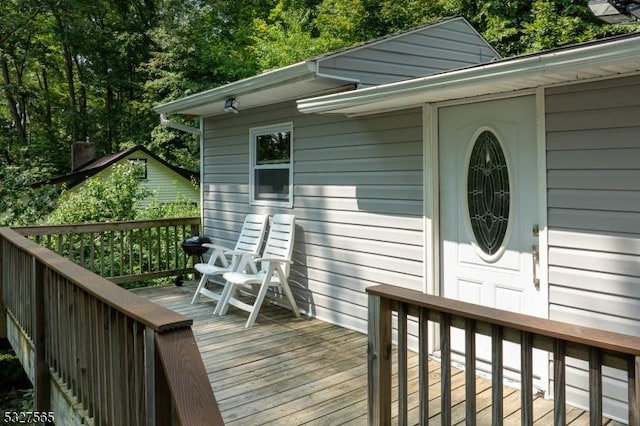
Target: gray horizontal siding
pixel 444 46
pixel 357 201
pixel 593 161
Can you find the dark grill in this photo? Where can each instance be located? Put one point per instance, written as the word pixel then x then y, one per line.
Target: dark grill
pixel 191 246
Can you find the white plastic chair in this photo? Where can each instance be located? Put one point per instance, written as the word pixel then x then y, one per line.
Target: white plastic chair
pixel 246 249
pixel 274 271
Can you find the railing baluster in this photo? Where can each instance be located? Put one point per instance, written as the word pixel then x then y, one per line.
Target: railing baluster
pixel 633 375
pixel 595 387
pixel 150 246
pixel 102 243
pixel 42 382
pixel 111 253
pixel 101 363
pixel 131 253
pixel 70 254
pixel 159 242
pixel 423 388
pixel 92 252
pixel 379 361
pixel 402 365
pixel 559 383
pixel 81 260
pixel 526 378
pixel 445 368
pixel 470 371
pixel 497 363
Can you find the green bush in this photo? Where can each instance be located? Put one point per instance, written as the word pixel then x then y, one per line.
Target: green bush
pixel 111 199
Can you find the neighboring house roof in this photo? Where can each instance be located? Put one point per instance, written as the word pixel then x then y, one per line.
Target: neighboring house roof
pixel 94 167
pixel 324 74
pixel 615 56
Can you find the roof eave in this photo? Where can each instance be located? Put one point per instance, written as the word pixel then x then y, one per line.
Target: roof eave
pixel 301 70
pixel 559 66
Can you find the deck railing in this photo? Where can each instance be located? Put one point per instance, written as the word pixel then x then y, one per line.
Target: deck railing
pixel 600 348
pixel 121 251
pixel 122 359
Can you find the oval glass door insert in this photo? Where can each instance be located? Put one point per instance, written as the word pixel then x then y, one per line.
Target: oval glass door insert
pixel 488 197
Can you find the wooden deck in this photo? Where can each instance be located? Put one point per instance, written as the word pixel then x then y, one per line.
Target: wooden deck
pixel 291 371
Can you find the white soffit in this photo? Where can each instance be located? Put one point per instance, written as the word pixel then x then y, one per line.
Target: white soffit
pixel 582 62
pixel 288 83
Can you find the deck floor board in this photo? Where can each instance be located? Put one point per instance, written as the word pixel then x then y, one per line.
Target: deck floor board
pixel 288 371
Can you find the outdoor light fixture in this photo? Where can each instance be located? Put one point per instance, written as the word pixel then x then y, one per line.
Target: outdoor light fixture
pixel 231 105
pixel 616 11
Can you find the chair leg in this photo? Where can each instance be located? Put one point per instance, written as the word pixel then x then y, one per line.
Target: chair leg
pixel 223 303
pixel 201 284
pixel 292 300
pixel 262 293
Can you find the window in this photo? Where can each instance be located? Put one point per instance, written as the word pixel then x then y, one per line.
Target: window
pixel 488 194
pixel 141 165
pixel 272 165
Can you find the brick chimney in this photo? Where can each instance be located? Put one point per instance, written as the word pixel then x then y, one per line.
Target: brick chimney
pixel 82 152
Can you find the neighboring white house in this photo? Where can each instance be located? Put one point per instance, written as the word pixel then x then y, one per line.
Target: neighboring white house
pixel 167 182
pixel 389 179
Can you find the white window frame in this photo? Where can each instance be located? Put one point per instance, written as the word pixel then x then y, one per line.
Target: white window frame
pixel 253 134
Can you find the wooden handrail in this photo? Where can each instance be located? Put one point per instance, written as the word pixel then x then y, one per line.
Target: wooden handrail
pixel 148 313
pixel 121 251
pixel 104 226
pixel 598 347
pixel 124 359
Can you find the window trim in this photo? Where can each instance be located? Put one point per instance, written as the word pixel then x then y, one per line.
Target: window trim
pixel 254 132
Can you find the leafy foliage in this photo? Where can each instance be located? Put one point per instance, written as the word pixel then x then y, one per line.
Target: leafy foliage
pixel 77 69
pixel 100 199
pixel 20 204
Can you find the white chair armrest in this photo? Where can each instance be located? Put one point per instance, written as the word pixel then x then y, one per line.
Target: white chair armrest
pixel 216 247
pixel 274 259
pixel 240 253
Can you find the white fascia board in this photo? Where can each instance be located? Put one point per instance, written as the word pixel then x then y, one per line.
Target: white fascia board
pixel 268 79
pixel 560 66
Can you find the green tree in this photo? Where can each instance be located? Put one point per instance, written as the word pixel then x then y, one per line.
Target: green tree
pixel 20 204
pixel 111 199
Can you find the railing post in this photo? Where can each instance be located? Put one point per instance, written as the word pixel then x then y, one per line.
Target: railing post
pixel 402 365
pixel 595 387
pixel 3 307
pixel 559 383
pixel 633 373
pixel 497 363
pixel 42 382
pixel 157 398
pixel 195 230
pixel 445 369
pixel 379 361
pixel 423 366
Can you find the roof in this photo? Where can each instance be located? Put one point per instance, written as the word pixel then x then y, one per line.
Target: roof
pixel 604 58
pixel 94 167
pixel 293 82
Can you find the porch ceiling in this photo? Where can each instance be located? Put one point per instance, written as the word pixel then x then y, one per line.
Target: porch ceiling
pixel 588 61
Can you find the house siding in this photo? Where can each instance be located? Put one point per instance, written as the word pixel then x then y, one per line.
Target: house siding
pixel 357 200
pixel 167 185
pixel 447 45
pixel 593 162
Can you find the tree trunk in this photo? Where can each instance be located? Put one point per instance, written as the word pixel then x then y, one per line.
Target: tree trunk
pixel 14 108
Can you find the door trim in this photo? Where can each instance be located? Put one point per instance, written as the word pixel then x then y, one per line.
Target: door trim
pixel 543 237
pixel 431 199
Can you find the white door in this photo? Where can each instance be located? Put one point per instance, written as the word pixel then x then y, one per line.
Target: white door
pixel 489 214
